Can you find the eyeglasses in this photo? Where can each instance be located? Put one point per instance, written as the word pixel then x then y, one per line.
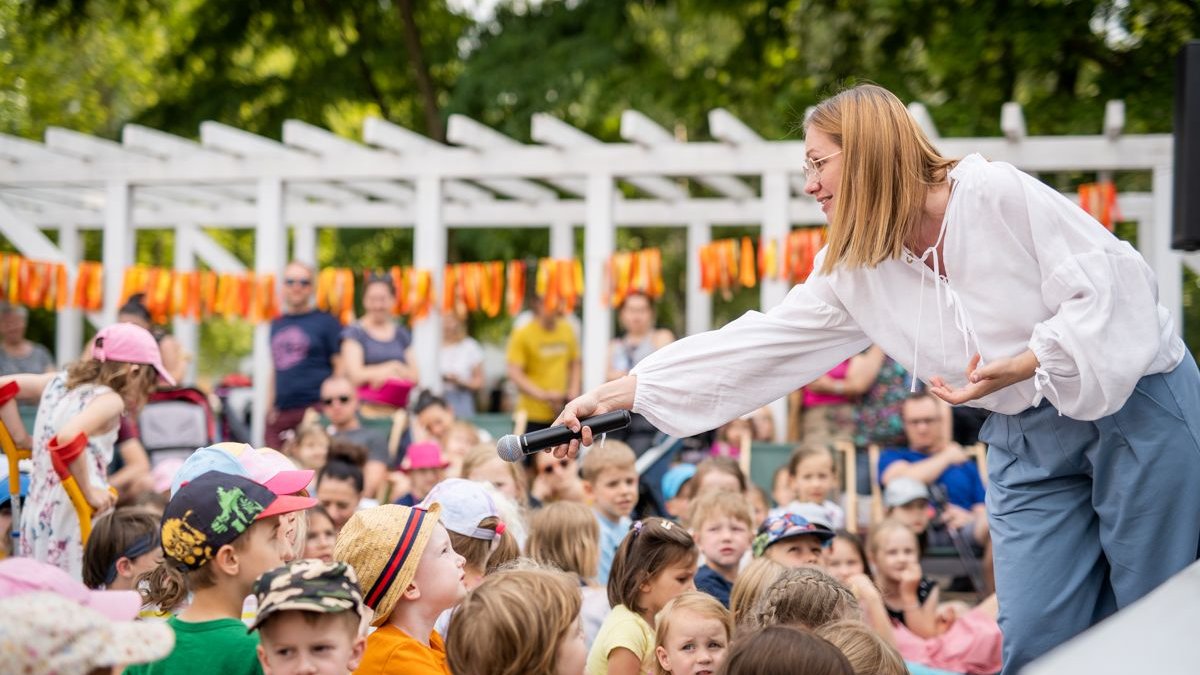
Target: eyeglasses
pixel 562 464
pixel 343 399
pixel 297 282
pixel 812 167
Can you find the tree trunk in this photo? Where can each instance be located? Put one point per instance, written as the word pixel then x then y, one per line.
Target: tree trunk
pixel 416 57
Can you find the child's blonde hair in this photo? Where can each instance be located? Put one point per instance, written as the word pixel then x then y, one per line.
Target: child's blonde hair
pixel 694 602
pixel 651 546
pixel 751 582
pixel 133 382
pixel 719 465
pixel 513 623
pixel 806 597
pixel 866 651
pixel 877 532
pixel 485 452
pixel 718 504
pixel 808 451
pixel 485 555
pixel 609 455
pixel 566 535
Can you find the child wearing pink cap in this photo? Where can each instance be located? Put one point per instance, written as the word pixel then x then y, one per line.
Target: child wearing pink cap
pixel 80 407
pixel 425 467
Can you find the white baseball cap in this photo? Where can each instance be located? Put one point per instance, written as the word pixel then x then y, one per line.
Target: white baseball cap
pixel 900 491
pixel 465 503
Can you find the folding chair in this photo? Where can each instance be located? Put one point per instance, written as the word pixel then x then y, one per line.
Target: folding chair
pixel 61 456
pixel 14 455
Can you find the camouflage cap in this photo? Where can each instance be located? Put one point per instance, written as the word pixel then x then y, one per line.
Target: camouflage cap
pixel 309 586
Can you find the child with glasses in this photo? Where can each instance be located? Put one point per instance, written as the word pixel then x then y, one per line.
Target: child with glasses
pixel 554 480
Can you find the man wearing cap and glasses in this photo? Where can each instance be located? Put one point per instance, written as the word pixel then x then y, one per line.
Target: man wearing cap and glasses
pixel 304 352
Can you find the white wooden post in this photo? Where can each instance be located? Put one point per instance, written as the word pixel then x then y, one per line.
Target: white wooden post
pixel 698 303
pixel 68 323
pixel 304 244
pixel 118 236
pixel 1154 241
pixel 269 248
pixel 186 330
pixel 775 195
pixel 429 252
pixel 599 237
pixel 562 239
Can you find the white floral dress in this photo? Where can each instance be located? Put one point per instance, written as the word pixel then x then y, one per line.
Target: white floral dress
pixel 49 524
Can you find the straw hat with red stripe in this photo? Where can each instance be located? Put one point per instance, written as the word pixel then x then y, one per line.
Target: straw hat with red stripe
pixel 384 546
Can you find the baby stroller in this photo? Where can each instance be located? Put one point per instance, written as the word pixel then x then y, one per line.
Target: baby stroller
pixel 174 422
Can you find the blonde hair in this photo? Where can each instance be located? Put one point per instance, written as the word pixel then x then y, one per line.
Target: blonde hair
pixel 866 651
pixel 718 503
pixel 513 623
pixel 133 382
pixel 609 455
pixel 483 453
pixel 695 602
pixel 806 597
pixel 877 532
pixel 566 535
pixel 751 582
pixel 888 165
pixel 719 465
pixel 480 555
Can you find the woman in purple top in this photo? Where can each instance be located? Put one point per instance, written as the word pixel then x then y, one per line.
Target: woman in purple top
pixel 377 352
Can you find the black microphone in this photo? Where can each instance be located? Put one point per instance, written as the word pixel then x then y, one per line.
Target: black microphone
pixel 512 448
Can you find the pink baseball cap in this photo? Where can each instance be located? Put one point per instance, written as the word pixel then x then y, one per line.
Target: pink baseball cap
pixel 424 455
pixel 127 343
pixel 270 468
pixel 26 575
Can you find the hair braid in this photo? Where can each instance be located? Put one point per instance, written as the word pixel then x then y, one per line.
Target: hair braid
pixel 805 596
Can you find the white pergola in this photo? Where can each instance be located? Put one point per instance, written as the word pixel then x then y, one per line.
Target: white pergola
pixel 483 179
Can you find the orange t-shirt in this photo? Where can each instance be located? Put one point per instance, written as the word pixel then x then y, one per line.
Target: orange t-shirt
pixel 391 650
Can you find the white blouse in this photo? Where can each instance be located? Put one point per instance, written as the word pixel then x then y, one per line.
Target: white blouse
pixel 1023 268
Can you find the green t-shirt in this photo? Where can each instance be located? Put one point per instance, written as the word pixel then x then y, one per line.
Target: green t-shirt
pixel 204 647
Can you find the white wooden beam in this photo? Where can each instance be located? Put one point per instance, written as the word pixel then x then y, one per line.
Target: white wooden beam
pixel 186 331
pixel 68 322
pixel 217 257
pixel 429 253
pixel 924 120
pixel 727 128
pixel 553 131
pixel 117 244
pixel 463 130
pixel 318 141
pixel 269 249
pixel 384 134
pixel 91 148
pixel 638 128
pixel 698 310
pixel 26 237
pixel 1114 119
pixel 1012 121
pixel 599 238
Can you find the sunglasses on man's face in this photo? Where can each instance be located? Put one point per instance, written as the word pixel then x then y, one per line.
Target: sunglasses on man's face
pixel 343 399
pixel 554 467
pixel 297 282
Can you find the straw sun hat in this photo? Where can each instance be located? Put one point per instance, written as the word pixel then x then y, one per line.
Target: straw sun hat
pixel 384 546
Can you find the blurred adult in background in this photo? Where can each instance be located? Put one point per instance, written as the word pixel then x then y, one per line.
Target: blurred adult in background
pixel 543 361
pixel 339 402
pixel 377 352
pixel 639 338
pixel 462 366
pixel 305 346
pixel 18 355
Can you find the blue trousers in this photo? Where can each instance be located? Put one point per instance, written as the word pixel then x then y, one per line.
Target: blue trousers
pixel 1087 517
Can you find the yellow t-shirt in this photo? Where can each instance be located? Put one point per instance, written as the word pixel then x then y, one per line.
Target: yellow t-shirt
pixel 622 628
pixel 391 650
pixel 546 357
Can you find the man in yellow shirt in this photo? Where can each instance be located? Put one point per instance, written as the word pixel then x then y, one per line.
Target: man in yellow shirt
pixel 543 361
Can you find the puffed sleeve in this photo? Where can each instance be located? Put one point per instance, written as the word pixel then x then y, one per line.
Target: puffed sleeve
pixel 1107 326
pixel 702 381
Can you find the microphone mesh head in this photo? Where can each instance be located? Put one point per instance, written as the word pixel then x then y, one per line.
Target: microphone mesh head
pixel 509 448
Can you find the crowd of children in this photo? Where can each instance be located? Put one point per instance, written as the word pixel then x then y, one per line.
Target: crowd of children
pixel 257 561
